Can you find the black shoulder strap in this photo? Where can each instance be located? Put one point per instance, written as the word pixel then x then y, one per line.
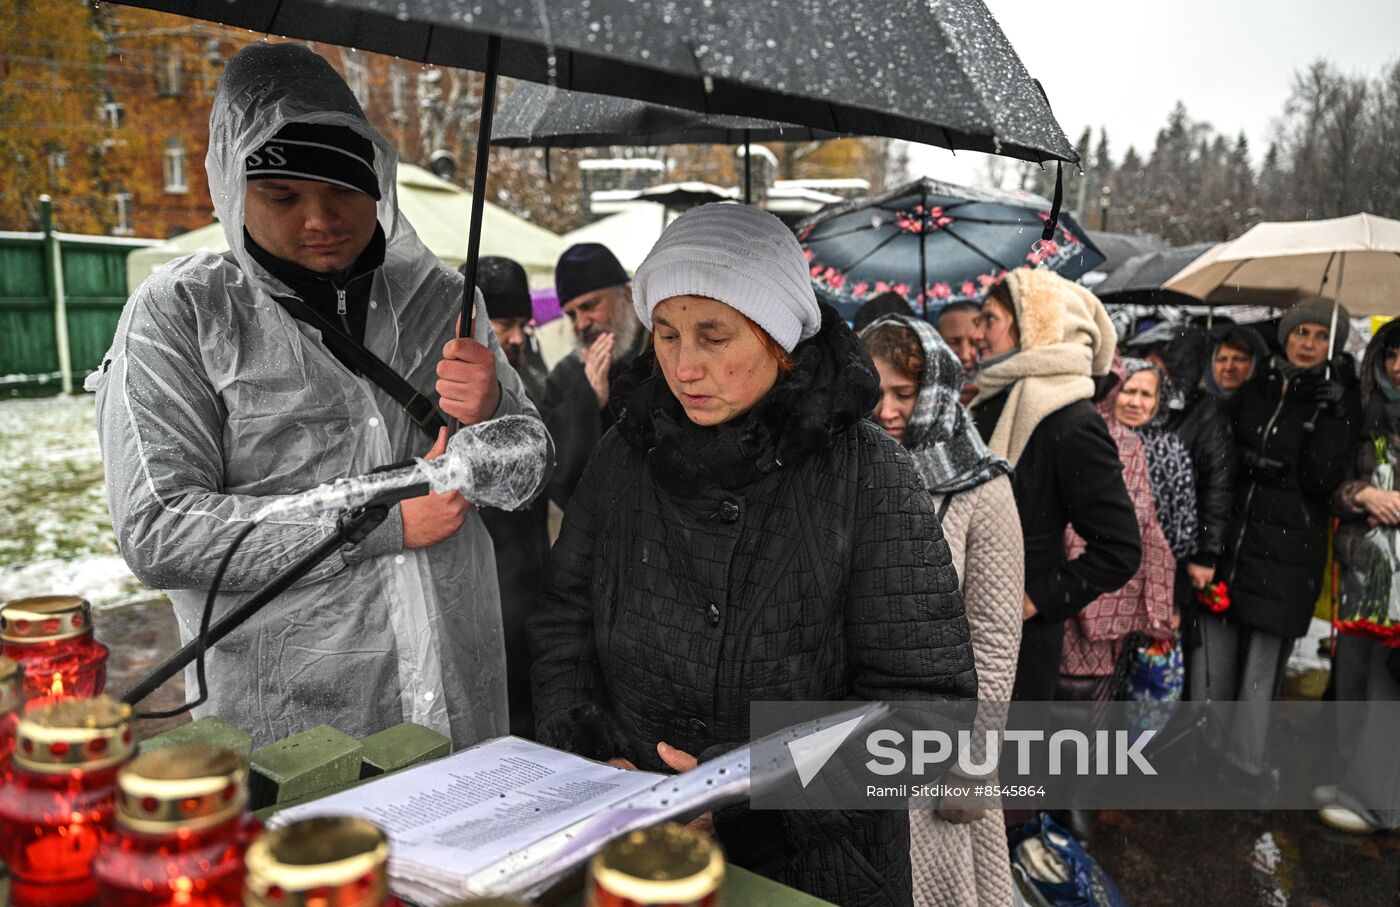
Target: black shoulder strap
pixel 420 409
pixel 943 506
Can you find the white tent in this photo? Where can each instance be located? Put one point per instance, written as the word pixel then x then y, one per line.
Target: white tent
pixel 629 234
pixel 440 211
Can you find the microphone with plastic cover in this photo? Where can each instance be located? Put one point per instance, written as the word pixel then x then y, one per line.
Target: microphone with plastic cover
pixel 500 463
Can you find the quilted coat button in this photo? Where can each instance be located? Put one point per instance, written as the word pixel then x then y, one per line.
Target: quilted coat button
pixel 697 727
pixel 728 511
pixel 712 614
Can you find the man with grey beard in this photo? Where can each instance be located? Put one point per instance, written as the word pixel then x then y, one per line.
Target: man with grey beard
pixel 596 295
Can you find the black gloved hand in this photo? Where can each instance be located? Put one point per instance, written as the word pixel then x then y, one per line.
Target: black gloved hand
pixel 1326 392
pixel 1260 466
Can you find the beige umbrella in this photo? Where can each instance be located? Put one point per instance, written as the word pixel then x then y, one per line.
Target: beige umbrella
pixel 1352 260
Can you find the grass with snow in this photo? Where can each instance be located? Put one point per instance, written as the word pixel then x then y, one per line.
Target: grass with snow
pixel 55 531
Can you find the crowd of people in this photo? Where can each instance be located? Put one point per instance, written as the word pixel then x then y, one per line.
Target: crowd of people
pixel 759 502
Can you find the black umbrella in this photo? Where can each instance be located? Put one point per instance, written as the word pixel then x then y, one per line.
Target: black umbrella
pixel 537 116
pixel 934 243
pixel 685 195
pixel 1117 248
pixel 1138 281
pixel 937 73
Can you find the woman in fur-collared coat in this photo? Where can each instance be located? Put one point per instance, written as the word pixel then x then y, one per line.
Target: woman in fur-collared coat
pixel 1044 340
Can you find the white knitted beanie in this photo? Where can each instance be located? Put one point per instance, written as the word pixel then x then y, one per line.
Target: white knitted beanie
pixel 740 255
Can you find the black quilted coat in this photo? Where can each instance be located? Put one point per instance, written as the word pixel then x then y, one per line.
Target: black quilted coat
pixel 794 556
pixel 1276 549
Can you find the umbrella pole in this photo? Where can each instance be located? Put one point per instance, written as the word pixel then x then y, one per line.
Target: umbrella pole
pixel 923 265
pixel 1336 304
pixel 1332 328
pixel 466 325
pixel 748 172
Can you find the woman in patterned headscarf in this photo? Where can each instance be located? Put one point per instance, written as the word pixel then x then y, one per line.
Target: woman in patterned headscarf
pixel 959 850
pixel 1158 474
pixel 1139 405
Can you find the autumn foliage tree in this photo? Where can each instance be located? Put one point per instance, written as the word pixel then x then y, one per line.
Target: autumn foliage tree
pixel 107 109
pixel 51 130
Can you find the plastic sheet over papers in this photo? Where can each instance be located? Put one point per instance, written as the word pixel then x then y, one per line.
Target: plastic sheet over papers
pixel 511 816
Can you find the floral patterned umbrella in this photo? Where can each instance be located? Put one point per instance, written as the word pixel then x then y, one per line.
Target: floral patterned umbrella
pixel 934 243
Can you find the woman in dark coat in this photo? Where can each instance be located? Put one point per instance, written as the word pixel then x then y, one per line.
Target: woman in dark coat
pixel 1043 338
pixel 743 533
pixel 1296 427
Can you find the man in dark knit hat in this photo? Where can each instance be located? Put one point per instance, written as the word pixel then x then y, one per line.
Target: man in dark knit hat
pixel 506 289
pixel 521 537
pixel 596 295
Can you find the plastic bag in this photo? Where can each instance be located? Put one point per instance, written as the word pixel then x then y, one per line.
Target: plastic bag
pixel 1369 603
pixel 1150 674
pixel 1061 871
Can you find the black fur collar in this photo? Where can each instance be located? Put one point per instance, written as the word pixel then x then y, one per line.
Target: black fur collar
pixel 832 385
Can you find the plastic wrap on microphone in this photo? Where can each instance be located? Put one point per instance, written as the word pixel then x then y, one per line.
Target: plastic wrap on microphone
pixel 500 463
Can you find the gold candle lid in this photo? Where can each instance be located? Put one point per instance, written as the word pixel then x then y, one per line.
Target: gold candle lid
pixel 181 787
pixel 45 618
pixel 667 864
pixel 11 686
pixel 340 860
pixel 86 734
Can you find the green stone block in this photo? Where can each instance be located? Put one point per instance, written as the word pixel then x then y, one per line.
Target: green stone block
pixel 401 746
pixel 317 761
pixel 210 731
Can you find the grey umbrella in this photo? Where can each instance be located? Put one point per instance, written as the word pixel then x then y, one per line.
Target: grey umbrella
pixel 538 116
pixel 940 73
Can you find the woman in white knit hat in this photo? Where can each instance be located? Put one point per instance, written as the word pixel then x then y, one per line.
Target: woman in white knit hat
pixel 743 533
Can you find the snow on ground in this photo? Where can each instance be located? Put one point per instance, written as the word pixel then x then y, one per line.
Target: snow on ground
pixel 55 532
pixel 1304 657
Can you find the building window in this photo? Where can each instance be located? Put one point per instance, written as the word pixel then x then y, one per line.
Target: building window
pixel 169 76
pixel 398 94
pixel 357 77
pixel 58 160
pixel 121 213
pixel 114 114
pixel 175 166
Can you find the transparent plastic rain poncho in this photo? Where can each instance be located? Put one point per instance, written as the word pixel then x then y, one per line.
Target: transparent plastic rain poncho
pixel 213 401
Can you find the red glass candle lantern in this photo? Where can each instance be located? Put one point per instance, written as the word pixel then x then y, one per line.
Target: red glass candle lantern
pixel 51 637
pixel 59 797
pixel 11 698
pixel 321 862
pixel 182 830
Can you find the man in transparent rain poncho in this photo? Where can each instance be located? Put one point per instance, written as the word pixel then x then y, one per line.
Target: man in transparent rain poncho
pixel 214 399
